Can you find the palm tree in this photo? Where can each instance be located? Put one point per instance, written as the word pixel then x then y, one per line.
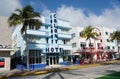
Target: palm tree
pixel 115 36
pixel 27 17
pixel 88 33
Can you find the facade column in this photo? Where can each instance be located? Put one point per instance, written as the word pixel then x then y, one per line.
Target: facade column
pixel 52 60
pixel 49 60
pixel 56 60
pixel 91 57
pixel 97 56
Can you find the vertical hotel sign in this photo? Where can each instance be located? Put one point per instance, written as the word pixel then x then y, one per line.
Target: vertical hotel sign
pixel 54 35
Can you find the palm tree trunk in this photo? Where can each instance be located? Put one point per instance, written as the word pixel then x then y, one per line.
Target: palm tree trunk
pixel 27 50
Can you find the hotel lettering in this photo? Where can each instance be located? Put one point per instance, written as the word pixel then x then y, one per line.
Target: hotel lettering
pixel 54 35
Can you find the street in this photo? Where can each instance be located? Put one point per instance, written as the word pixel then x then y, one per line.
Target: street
pixel 84 73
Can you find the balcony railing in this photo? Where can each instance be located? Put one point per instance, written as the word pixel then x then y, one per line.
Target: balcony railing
pixel 36 46
pixel 67 36
pixel 63 24
pixel 38 33
pixel 66 47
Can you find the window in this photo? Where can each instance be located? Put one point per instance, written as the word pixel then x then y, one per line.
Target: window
pixel 81 33
pixel 108 47
pixel 98 45
pixel 66 52
pixel 46 27
pixel 35 56
pixel 36 28
pixel 64 30
pixel 2 62
pixel 65 41
pixel 73 44
pixel 33 28
pixel 113 47
pixel 91 45
pixel 33 39
pixel 106 33
pixel 73 35
pixel 112 41
pixel 83 44
pixel 108 40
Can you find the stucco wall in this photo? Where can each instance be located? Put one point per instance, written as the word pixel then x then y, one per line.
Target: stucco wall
pixel 5 32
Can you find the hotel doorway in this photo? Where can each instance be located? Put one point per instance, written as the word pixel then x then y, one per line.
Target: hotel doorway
pixel 52 60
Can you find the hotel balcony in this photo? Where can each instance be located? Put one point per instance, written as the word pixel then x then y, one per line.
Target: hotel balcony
pixel 36 45
pixel 63 24
pixel 62 35
pixel 66 47
pixel 38 33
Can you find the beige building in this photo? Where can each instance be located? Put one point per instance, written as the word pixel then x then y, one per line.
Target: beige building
pixel 5 44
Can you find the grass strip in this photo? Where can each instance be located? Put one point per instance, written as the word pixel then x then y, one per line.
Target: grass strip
pixel 110 76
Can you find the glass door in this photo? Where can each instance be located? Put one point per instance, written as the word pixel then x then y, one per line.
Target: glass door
pixel 52 60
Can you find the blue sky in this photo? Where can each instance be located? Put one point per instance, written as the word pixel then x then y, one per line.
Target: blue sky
pixel 78 12
pixel 95 6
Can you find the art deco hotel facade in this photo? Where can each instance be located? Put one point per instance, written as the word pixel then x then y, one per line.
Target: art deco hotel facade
pixel 48 45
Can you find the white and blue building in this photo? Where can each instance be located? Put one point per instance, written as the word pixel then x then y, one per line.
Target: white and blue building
pixel 49 45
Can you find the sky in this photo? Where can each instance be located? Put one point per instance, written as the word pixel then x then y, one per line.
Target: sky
pixel 78 12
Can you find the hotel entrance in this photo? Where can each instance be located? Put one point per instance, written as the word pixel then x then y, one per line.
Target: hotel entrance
pixel 52 59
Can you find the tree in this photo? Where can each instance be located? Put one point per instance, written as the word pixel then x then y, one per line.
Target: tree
pixel 88 33
pixel 27 17
pixel 115 36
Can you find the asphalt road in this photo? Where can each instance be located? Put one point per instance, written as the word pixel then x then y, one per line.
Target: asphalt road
pixel 85 73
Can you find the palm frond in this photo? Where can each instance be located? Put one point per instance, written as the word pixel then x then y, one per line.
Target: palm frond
pixel 24 28
pixel 18 10
pixel 35 22
pixel 26 16
pixel 115 35
pixel 14 20
pixel 88 33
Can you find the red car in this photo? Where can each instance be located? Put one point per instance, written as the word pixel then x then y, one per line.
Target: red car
pixel 2 64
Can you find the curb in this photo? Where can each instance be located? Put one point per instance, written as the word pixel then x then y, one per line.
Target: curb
pixel 110 62
pixel 50 70
pixel 58 69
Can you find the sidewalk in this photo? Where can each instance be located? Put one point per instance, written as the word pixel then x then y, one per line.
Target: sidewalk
pixel 16 72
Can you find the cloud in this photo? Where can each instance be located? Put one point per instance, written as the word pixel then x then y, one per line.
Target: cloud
pixel 8 6
pixel 46 11
pixel 77 16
